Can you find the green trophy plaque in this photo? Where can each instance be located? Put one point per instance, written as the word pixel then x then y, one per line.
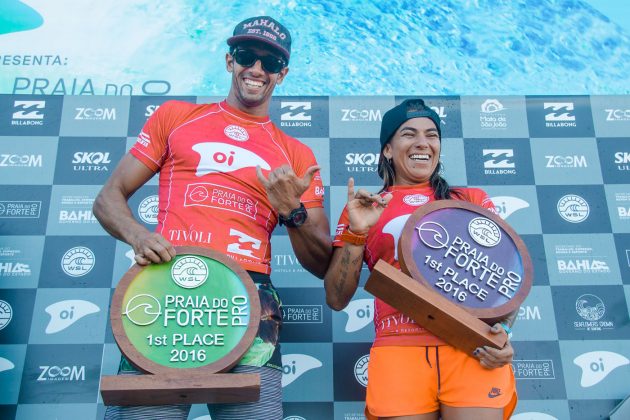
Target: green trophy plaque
pixel 184 323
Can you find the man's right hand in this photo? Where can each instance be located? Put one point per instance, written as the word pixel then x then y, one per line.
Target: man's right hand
pixel 151 247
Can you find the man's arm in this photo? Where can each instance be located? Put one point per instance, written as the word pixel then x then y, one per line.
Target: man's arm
pixel 113 212
pixel 312 243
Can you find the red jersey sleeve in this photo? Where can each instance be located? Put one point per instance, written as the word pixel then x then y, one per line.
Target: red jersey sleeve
pixel 479 197
pixel 303 158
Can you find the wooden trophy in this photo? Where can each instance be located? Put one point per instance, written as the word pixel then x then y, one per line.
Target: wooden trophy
pixel 463 270
pixel 184 323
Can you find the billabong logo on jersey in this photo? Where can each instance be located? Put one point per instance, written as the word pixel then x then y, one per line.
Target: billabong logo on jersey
pixel 360 314
pixel 555 107
pixel 5 364
pixel 244 241
pixel 223 157
pixel 296 365
pixel 361 370
pixel 590 307
pixel 78 261
pixel 67 312
pixel 394 227
pixel 506 205
pixel 573 208
pixel 596 365
pixel 236 132
pixel 29 110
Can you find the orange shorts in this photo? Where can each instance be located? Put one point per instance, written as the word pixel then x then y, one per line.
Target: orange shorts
pixel 416 380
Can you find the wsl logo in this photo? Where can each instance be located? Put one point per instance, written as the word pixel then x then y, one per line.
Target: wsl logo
pixel 596 365
pixel 28 113
pixel 78 261
pixel 65 313
pixel 499 162
pixel 484 231
pixel 297 114
pixel 573 208
pixel 189 272
pixel 148 209
pixel 361 370
pixel 560 115
pixel 6 314
pixel 296 365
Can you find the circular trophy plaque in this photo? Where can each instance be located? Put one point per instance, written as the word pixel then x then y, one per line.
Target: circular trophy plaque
pixel 467 255
pixel 199 311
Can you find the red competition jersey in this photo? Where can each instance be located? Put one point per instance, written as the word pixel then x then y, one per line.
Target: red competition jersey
pixel 209 194
pixel 392 327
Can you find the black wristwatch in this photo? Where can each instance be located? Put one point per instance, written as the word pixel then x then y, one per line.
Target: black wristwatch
pixel 296 218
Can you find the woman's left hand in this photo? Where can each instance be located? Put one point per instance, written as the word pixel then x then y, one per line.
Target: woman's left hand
pixel 492 358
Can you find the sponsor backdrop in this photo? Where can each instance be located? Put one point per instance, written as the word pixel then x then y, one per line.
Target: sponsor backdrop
pixel 557 169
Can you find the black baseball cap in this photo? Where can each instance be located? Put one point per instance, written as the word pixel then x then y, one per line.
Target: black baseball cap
pixel 264 29
pixel 406 110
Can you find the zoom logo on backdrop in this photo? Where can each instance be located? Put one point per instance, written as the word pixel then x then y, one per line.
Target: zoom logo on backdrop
pixel 74 261
pixel 69 372
pixel 498 161
pixel 300 116
pixel 305 316
pixel 536 317
pixel 357 116
pixel 573 209
pixel 614 159
pixel 95 116
pixel 87 161
pixel 559 116
pixel 448 109
pixel 30 115
pixel 24 209
pixel 357 158
pixel 541 368
pixel 611 115
pixel 142 107
pixel 555 164
pixel 25 160
pixel 592 317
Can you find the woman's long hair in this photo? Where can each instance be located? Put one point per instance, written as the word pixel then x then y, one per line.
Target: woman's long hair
pixel 441 189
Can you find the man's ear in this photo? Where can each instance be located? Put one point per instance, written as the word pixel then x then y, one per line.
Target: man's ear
pixel 229 62
pixel 282 75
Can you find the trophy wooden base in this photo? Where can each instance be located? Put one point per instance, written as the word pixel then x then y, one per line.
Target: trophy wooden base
pixel 190 389
pixel 443 318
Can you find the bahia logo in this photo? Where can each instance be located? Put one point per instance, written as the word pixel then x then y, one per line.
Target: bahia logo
pixel 189 272
pixel 590 307
pixel 6 314
pixel 484 231
pixel 11 269
pixel 361 370
pixel 143 309
pixel 236 132
pixel 296 365
pixel 64 373
pixel 67 312
pixel 5 364
pixel 596 365
pixel 223 157
pixel 148 209
pixel 360 314
pixel 394 227
pixel 533 415
pixel 78 261
pixel 506 205
pixel 573 208
pixel 95 114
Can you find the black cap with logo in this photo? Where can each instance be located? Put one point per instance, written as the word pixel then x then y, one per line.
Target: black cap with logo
pixel 264 29
pixel 408 109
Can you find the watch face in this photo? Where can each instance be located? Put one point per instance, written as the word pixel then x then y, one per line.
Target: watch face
pixel 299 218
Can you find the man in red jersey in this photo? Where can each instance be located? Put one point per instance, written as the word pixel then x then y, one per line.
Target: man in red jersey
pixel 228 176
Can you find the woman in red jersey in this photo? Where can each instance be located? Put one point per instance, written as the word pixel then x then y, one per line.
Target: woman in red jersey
pixel 413 374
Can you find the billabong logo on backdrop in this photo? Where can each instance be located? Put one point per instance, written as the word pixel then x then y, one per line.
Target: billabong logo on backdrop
pixel 296 365
pixel 484 231
pixel 5 364
pixel 6 314
pixel 492 115
pixel 590 307
pixel 148 209
pixel 533 369
pixel 223 157
pixel 361 115
pixel 296 114
pixel 302 314
pixel 394 227
pixel 20 209
pixel 617 114
pixel 61 373
pixel 360 314
pixel 65 313
pixel 20 161
pixel 361 370
pixel 143 309
pixel 95 114
pixel 573 208
pixel 28 113
pixel 415 199
pixel 575 161
pixel 189 272
pixel 500 162
pixel 533 415
pixel 90 161
pixel 244 241
pixel 506 205
pixel 78 261
pixel 596 365
pixel 560 115
pixel 236 132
